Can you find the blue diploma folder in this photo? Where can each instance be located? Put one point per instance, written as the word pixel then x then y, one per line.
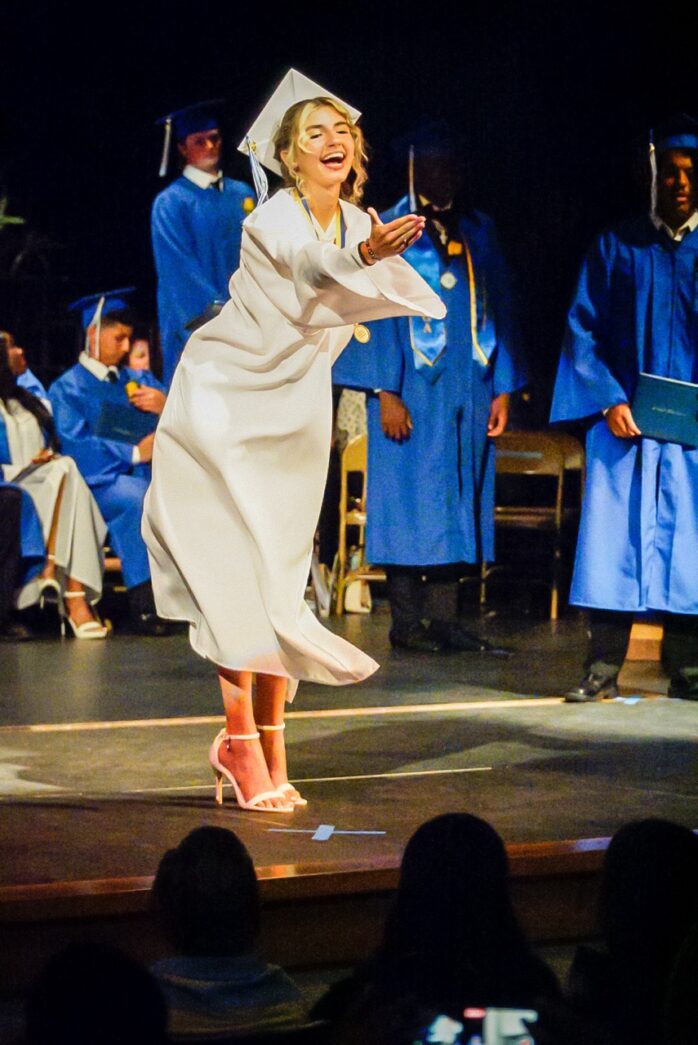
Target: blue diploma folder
pixel 125 424
pixel 666 409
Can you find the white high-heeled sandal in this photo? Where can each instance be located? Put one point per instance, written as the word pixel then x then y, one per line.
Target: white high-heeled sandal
pixel 288 788
pixel 89 629
pixel 220 771
pixel 49 588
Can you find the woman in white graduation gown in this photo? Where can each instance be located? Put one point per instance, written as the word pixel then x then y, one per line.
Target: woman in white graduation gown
pixel 73 528
pixel 242 447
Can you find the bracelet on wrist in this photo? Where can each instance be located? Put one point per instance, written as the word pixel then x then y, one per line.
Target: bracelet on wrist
pixel 371 253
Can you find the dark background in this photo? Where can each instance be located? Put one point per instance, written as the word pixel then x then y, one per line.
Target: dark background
pixel 554 101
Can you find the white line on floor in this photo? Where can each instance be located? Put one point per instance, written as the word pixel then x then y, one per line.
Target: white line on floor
pixel 209 787
pixel 361 712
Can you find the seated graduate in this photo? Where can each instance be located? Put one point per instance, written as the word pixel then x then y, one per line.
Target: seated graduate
pixel 206 894
pixel 106 418
pixel 19 366
pixel 73 529
pixel 22 555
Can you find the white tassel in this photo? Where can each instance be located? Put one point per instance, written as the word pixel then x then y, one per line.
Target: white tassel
pixel 653 169
pixel 96 322
pixel 166 147
pixel 410 181
pixel 259 177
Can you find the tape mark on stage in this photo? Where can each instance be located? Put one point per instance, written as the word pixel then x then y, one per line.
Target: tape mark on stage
pixel 325 713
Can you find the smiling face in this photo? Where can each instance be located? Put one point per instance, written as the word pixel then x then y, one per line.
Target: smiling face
pixel 202 150
pixel 676 189
pixel 322 154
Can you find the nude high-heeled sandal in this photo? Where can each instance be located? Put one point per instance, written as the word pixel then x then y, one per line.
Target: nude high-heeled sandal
pixel 288 788
pixel 220 771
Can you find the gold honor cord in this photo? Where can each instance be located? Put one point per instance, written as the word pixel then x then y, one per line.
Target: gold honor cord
pixel 473 305
pixel 361 333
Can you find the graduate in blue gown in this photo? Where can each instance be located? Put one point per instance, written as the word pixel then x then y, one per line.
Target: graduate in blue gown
pixel 22 554
pixel 106 417
pixel 196 228
pixel 634 311
pixel 438 394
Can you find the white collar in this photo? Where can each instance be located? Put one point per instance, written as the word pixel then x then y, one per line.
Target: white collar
pixel 96 367
pixel 201 178
pixel 678 234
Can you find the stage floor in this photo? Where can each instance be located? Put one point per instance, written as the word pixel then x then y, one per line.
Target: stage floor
pixel 103 752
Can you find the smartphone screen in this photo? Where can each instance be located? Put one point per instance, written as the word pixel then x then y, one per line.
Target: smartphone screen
pixel 483 1027
pixel 495 1026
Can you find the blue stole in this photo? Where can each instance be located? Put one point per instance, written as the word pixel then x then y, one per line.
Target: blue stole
pixel 428 336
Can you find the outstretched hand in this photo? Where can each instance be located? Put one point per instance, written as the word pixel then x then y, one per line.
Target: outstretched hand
pixel 394 237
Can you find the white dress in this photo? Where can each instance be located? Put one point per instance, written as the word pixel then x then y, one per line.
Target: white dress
pixel 81 530
pixel 242 447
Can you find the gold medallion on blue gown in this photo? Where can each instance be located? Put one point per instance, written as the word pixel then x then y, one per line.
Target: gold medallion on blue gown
pixel 448 280
pixel 362 333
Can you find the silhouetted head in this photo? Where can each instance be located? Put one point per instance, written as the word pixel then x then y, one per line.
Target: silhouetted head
pixel 206 893
pixel 649 894
pixel 91 992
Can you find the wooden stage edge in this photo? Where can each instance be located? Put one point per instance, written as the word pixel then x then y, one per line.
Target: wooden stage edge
pixel 315 915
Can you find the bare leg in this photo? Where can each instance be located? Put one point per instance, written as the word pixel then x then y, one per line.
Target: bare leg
pixel 49 569
pixel 78 610
pixel 270 705
pixel 244 758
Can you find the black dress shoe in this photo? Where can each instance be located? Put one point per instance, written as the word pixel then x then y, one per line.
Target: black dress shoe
pixel 592 687
pixel 150 624
pixel 455 636
pixel 15 631
pixel 684 685
pixel 417 639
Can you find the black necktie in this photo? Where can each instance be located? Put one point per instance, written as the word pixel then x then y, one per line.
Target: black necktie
pixel 218 183
pixel 111 377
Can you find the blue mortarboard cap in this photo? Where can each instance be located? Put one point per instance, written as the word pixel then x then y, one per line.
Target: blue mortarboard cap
pixel 201 116
pixel 88 306
pixel 678 132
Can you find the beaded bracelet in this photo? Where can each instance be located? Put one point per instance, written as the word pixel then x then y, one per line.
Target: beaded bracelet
pixel 371 253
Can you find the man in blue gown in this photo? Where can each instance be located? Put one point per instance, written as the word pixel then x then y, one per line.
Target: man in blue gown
pixel 196 229
pixel 106 417
pixel 438 394
pixel 635 311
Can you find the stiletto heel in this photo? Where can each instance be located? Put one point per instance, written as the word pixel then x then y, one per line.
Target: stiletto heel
pixel 89 629
pixel 49 589
pixel 220 771
pixel 288 788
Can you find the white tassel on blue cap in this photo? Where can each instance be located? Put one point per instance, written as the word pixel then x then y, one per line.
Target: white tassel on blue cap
pixel 166 147
pixel 259 177
pixel 96 322
pixel 653 171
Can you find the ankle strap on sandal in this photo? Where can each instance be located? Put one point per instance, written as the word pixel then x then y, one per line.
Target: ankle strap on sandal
pixel 271 729
pixel 74 594
pixel 239 736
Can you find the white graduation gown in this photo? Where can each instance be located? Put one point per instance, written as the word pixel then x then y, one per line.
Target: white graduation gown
pixel 81 530
pixel 242 447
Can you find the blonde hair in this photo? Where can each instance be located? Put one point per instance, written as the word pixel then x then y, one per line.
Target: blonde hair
pixel 291 136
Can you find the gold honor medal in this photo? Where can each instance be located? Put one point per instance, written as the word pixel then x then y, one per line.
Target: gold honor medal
pixel 448 280
pixel 362 334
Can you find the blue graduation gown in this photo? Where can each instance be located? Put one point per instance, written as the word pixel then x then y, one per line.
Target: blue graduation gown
pixel 32 549
pixel 31 382
pixel 635 310
pixel 430 500
pixel 118 486
pixel 196 244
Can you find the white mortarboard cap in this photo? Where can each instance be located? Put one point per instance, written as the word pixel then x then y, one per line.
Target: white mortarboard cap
pixel 258 143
